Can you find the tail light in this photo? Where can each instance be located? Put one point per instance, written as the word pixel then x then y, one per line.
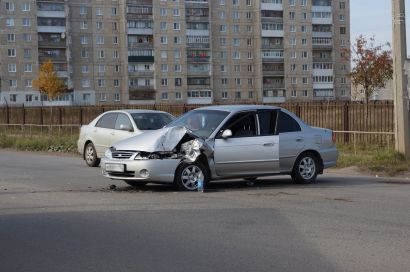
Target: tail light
pixel 334 136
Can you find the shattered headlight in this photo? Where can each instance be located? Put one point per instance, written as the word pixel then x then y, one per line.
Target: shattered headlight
pixel 192 149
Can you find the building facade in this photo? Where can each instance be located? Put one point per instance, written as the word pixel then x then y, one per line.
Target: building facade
pixel 195 51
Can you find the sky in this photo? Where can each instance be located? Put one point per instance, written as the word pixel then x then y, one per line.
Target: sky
pixel 374 17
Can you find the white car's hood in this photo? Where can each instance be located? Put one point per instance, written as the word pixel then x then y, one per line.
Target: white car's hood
pixel 161 140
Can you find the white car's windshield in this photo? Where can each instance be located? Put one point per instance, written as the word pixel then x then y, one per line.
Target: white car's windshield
pixel 201 122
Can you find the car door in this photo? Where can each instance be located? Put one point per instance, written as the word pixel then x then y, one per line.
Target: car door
pixel 123 129
pixel 291 140
pixel 102 132
pixel 246 152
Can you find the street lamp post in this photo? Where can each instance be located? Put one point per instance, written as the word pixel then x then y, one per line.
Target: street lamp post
pixel 401 96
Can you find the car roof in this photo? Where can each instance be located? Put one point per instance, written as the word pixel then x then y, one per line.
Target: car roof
pixel 130 111
pixel 235 108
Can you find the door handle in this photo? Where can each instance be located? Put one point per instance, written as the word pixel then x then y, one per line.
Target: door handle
pixel 268 144
pixel 299 140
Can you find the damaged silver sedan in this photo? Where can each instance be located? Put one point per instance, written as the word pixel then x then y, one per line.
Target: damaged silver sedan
pixel 220 142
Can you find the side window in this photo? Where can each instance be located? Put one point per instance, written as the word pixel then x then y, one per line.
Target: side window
pixel 287 124
pixel 242 125
pixel 107 121
pixel 123 122
pixel 267 122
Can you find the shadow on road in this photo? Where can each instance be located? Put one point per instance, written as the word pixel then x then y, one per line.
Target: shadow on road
pixel 260 184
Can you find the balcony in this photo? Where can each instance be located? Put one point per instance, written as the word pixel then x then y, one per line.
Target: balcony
pixel 52 44
pixel 271 5
pixel 195 59
pixel 197 32
pixel 141 73
pixel 274 96
pixel 140 94
pixel 273 85
pixel 198 72
pixel 51 29
pixel 321 60
pixel 328 85
pixel 140 31
pixel 272 33
pixel 322 21
pixel 196 3
pixel 322 72
pixel 140 58
pixel 141 88
pixel 325 34
pixel 272 46
pixel 279 73
pixel 272 56
pixel 198 45
pixel 51 14
pixel 194 18
pixel 322 43
pixel 321 8
pixel 61 58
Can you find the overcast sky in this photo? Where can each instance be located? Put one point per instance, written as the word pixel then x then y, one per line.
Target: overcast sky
pixel 374 17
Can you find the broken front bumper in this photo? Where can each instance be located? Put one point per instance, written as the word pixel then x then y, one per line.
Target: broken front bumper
pixel 150 170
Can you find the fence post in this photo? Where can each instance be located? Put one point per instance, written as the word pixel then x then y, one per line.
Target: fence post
pixel 346 122
pixel 7 114
pixel 298 110
pixel 41 117
pixel 184 108
pixel 60 117
pixel 81 116
pixel 24 114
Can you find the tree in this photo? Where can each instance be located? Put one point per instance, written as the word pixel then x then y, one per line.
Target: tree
pixel 48 82
pixel 372 66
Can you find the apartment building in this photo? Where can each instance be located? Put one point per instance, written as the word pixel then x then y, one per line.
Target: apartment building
pixel 174 51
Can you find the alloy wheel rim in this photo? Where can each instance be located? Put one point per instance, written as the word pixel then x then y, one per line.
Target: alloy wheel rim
pixel 190 176
pixel 89 154
pixel 307 168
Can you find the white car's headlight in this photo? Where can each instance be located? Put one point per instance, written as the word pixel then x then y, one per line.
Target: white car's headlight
pixel 108 153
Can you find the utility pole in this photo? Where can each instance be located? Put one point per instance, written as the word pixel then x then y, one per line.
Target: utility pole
pixel 401 96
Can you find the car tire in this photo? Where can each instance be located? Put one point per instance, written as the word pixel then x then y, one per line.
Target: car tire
pixel 306 168
pixel 90 155
pixel 135 184
pixel 186 176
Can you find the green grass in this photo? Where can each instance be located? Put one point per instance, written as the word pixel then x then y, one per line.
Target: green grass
pixel 43 143
pixel 375 159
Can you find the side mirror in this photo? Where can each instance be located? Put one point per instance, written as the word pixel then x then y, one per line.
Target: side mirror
pixel 227 133
pixel 126 128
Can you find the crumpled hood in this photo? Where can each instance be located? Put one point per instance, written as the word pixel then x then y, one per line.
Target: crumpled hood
pixel 161 140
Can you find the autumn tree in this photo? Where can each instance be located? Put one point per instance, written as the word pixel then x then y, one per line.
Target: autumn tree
pixel 48 82
pixel 372 66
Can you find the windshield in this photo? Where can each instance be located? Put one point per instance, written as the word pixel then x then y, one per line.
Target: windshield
pixel 201 122
pixel 151 120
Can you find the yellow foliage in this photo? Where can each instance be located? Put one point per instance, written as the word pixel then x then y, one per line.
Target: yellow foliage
pixel 48 82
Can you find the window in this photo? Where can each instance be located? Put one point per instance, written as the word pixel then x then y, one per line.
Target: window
pixel 342 30
pixel 176 26
pixel 305 93
pixel 291 2
pixel 116 97
pixel 83 10
pixel 12 68
pixel 9 6
pixel 100 25
pixel 85 83
pixel 28 68
pixel 83 40
pixel 175 12
pixel 286 123
pixel 178 82
pixel 123 123
pixel 113 11
pixel 83 25
pixel 267 122
pixel 163 12
pixel 13 83
pixel 164 40
pixel 178 95
pixel 25 22
pixel 27 53
pixel 177 40
pixel 293 93
pixel 9 22
pixel 100 39
pixel 342 5
pixel 163 25
pixel 107 121
pixel 25 7
pixel 242 125
pixel 28 83
pixel 99 11
pixel 11 52
pixel 84 69
pixel 29 97
pixel 164 96
pixel 27 37
pixel 164 81
pixel 13 98
pixel 100 54
pixel 11 38
pixel 116 83
pixel 101 82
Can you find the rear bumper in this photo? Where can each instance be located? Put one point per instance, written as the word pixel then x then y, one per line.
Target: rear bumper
pixel 329 157
pixel 161 171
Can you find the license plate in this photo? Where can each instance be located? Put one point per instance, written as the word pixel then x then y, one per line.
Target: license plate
pixel 114 167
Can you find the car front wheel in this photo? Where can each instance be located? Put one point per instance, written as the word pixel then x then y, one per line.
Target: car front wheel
pixel 305 169
pixel 188 174
pixel 90 155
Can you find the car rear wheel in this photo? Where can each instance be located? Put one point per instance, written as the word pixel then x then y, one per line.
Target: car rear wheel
pixel 188 174
pixel 136 184
pixel 305 169
pixel 90 155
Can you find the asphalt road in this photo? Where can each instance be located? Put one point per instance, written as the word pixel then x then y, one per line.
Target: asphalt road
pixel 56 214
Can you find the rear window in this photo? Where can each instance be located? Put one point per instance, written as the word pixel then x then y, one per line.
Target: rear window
pixel 287 124
pixel 151 121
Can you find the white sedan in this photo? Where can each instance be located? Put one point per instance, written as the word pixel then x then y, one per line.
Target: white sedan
pixel 114 126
